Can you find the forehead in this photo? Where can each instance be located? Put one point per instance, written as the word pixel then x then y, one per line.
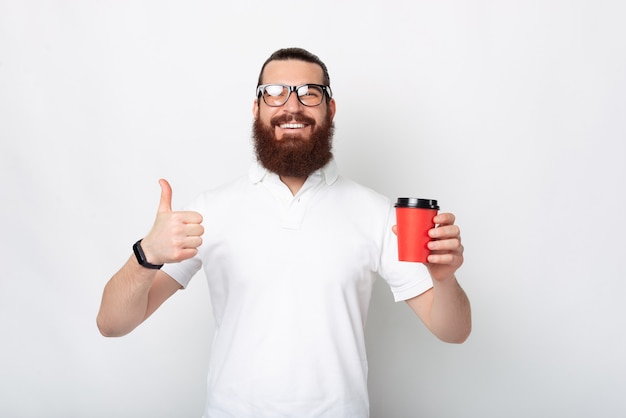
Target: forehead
pixel 292 72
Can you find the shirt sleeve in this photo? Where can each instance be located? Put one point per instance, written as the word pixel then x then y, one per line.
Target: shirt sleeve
pixel 183 272
pixel 406 279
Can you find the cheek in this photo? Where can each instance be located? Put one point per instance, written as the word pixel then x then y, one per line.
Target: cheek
pixel 323 118
pixel 265 115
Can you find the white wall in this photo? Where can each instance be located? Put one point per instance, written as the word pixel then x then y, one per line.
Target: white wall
pixel 510 113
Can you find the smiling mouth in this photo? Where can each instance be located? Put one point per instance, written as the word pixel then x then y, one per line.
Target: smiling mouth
pixel 291 125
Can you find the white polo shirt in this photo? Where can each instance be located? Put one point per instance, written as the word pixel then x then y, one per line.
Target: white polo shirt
pixel 290 280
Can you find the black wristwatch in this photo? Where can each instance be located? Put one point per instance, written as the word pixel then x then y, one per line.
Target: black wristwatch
pixel 141 257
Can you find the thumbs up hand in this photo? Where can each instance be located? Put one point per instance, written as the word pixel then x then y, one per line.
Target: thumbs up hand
pixel 175 235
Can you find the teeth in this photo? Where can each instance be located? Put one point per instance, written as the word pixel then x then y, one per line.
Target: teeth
pixel 292 125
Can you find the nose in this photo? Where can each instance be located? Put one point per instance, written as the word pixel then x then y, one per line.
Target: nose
pixel 293 104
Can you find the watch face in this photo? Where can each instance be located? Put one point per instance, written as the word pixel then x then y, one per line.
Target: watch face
pixel 138 253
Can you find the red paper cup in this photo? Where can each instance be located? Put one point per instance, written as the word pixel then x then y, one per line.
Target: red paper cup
pixel 414 218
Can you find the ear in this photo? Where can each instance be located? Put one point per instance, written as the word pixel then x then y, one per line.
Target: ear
pixel 255 108
pixel 332 108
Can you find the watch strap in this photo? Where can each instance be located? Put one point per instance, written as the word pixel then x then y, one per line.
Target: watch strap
pixel 141 257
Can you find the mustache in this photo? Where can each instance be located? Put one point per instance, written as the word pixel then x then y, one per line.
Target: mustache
pixel 292 117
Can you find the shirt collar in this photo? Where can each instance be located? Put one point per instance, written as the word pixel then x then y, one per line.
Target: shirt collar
pixel 329 172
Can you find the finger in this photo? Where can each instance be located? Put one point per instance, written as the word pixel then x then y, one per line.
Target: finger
pixel 192 242
pixel 184 254
pixel 165 205
pixel 446 258
pixel 394 229
pixel 194 230
pixel 443 232
pixel 186 217
pixel 447 245
pixel 444 219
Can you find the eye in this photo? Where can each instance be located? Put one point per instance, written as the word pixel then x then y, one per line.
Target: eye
pixel 274 90
pixel 310 91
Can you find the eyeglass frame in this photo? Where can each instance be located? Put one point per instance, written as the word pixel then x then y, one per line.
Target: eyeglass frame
pixel 326 91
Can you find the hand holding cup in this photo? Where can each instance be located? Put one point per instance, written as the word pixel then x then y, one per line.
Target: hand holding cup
pixel 427 236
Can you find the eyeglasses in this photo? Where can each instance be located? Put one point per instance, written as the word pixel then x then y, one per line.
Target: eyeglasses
pixel 308 94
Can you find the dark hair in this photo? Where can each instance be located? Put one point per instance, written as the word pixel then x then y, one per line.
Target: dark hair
pixel 295 54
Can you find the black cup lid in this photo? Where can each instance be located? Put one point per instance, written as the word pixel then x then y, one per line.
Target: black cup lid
pixel 414 202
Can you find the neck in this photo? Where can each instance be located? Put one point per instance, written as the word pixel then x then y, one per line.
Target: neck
pixel 294 183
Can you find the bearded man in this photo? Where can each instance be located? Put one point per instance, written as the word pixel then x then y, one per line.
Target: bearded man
pixel 290 253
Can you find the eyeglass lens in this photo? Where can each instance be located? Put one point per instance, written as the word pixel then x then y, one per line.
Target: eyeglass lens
pixel 308 94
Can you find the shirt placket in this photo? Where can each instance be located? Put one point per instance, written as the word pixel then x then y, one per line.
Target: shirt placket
pixel 293 208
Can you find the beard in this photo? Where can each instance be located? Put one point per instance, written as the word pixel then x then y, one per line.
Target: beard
pixel 294 155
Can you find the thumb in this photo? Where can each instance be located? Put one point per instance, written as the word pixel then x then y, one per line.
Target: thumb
pixel 165 205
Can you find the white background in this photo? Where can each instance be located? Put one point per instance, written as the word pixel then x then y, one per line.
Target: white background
pixel 511 114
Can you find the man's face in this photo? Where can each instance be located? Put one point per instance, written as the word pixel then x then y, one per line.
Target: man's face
pixel 293 139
